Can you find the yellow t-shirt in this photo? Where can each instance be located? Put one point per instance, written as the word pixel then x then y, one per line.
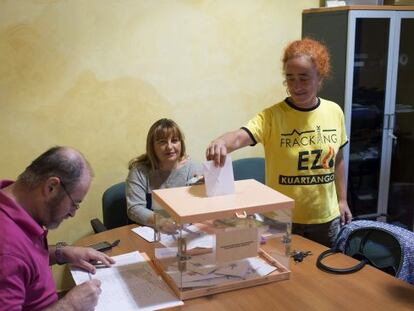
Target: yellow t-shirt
pixel 300 148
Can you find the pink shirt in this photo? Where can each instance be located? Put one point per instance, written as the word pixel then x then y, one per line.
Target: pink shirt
pixel 26 281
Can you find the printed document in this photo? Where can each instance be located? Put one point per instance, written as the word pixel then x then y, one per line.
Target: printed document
pixel 130 284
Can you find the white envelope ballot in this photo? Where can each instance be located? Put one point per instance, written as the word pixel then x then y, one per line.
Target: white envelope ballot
pixel 218 180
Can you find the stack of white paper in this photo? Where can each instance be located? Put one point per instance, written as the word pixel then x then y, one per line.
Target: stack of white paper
pixel 195 237
pixel 130 284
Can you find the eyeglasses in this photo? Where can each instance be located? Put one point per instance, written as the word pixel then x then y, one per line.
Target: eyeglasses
pixel 76 205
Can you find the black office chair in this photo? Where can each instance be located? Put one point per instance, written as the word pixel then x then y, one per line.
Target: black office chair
pixel 249 168
pixel 114 209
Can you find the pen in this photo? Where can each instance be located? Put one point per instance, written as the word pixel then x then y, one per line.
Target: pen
pixel 90 276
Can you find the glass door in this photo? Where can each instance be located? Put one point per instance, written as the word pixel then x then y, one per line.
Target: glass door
pixel 367 116
pixel 401 186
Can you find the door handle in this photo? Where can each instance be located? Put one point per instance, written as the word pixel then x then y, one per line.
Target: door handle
pixel 391 134
pixel 394 140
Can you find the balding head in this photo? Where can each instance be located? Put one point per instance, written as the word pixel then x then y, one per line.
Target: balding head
pixel 64 162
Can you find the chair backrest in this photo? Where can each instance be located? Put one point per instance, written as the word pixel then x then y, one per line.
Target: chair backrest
pixel 114 207
pixel 249 168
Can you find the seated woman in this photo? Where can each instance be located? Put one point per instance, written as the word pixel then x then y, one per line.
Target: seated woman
pixel 164 165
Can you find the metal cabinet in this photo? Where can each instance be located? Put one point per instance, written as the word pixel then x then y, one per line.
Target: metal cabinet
pixel 372 56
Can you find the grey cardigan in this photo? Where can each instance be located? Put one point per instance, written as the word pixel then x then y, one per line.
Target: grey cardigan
pixel 141 181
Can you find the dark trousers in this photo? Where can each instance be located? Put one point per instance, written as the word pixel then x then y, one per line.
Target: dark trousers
pixel 324 234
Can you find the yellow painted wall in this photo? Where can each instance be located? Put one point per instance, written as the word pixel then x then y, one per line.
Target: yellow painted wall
pixel 96 74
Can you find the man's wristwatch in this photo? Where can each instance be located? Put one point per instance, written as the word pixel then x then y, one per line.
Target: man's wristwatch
pixel 60 259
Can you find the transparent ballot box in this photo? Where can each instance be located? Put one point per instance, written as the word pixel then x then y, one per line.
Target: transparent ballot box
pixel 208 245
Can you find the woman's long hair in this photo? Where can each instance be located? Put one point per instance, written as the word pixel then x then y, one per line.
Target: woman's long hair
pixel 161 129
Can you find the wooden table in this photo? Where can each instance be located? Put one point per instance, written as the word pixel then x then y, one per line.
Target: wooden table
pixel 307 289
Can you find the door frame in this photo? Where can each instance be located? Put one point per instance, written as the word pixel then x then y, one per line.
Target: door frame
pixel 389 105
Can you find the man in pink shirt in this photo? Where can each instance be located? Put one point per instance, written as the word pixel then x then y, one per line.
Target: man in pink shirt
pixel 47 192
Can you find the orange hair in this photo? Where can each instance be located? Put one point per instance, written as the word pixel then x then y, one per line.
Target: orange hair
pixel 316 51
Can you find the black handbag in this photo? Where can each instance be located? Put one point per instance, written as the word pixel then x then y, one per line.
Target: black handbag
pixel 375 246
